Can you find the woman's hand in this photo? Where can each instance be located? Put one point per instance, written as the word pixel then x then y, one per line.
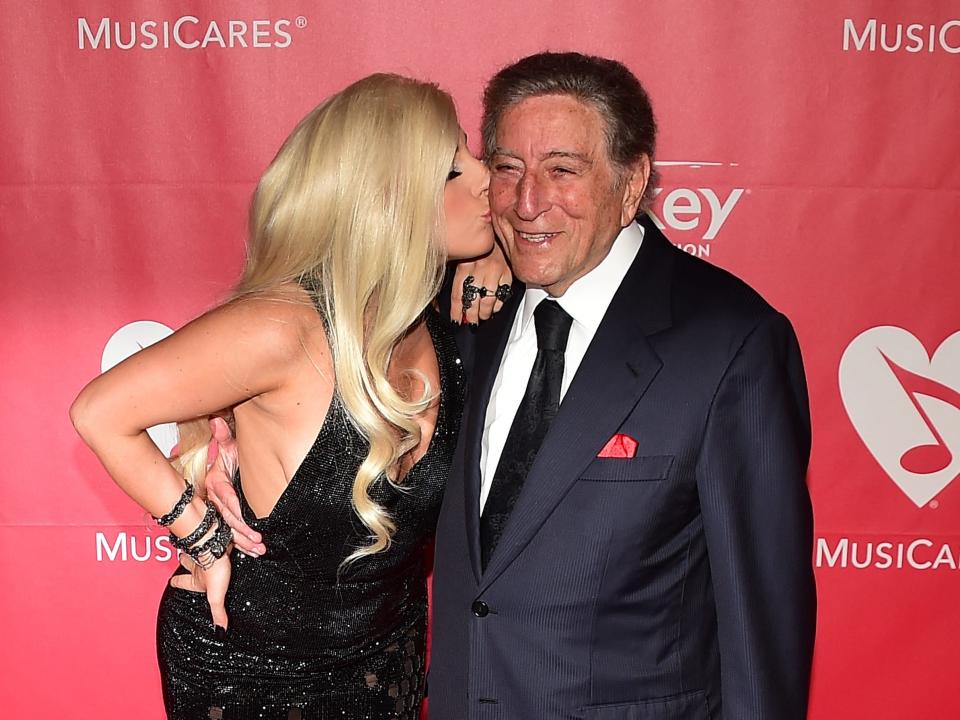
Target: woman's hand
pixel 222 461
pixel 213 581
pixel 490 272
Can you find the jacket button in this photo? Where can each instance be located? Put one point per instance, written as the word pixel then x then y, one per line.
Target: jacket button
pixel 480 608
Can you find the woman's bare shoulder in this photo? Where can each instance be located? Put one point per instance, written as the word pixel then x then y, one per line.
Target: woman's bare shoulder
pixel 281 322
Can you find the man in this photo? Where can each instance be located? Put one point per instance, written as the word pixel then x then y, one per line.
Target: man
pixel 626 533
pixel 642 551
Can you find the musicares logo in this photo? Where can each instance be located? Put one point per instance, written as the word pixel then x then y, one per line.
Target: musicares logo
pixel 698 213
pixel 906 37
pixel 905 405
pixel 921 553
pixel 139 547
pixel 187 32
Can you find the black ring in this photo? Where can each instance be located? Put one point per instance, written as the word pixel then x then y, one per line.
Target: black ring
pixel 471 292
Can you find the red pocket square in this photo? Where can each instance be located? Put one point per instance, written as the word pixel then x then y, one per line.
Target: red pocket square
pixel 619 446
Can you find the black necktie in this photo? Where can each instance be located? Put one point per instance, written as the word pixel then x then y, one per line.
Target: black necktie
pixel 537 410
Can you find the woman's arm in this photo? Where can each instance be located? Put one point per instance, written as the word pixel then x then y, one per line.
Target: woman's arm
pixel 231 354
pixel 228 355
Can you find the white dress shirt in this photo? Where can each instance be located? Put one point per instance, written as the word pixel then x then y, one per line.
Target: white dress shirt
pixel 586 301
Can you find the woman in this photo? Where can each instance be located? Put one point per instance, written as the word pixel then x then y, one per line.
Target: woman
pixel 330 331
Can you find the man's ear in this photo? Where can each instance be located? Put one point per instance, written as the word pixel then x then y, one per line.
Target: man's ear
pixel 637 177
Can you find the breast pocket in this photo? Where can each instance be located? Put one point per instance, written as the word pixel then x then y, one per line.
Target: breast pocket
pixel 686 706
pixel 643 468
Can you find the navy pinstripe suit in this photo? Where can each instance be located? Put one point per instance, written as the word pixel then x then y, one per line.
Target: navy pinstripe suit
pixel 673 585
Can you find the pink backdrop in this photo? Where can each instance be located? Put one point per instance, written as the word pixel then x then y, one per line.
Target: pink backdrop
pixel 809 147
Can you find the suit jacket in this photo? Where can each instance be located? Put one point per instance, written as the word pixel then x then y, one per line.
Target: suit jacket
pixel 676 584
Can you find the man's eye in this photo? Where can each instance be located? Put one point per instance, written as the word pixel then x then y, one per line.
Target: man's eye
pixel 454 174
pixel 504 168
pixel 563 171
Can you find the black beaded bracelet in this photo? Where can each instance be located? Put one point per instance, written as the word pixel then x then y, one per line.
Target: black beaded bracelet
pixel 177 511
pixel 202 529
pixel 206 554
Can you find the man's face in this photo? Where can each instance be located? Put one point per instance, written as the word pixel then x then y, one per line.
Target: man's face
pixel 554 194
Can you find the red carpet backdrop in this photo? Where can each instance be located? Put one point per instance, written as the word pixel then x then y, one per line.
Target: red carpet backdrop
pixel 812 148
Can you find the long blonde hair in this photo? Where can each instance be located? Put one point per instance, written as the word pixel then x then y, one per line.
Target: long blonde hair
pixel 352 209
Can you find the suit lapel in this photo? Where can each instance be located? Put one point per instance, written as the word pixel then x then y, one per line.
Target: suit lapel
pixel 615 372
pixel 490 343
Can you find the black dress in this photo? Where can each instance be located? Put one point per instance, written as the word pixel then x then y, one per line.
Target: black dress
pixel 308 639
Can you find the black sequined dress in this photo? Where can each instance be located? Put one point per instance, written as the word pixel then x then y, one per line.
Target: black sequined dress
pixel 304 644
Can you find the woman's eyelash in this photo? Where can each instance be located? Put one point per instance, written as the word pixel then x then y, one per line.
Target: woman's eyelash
pixel 454 173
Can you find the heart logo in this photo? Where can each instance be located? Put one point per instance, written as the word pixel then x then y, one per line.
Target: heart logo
pixel 905 405
pixel 130 339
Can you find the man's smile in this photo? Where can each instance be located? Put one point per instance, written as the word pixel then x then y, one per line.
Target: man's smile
pixel 536 238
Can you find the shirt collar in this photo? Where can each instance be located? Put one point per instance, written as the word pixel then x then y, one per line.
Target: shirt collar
pixel 588 298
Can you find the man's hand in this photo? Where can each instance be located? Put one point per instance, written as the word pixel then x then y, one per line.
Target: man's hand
pixel 490 272
pixel 214 582
pixel 222 461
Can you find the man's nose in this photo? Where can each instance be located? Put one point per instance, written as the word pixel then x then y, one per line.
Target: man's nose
pixel 531 198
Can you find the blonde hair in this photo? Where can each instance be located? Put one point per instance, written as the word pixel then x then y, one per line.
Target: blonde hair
pixel 351 208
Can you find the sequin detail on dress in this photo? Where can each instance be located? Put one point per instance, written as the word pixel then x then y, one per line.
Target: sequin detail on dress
pixel 304 644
